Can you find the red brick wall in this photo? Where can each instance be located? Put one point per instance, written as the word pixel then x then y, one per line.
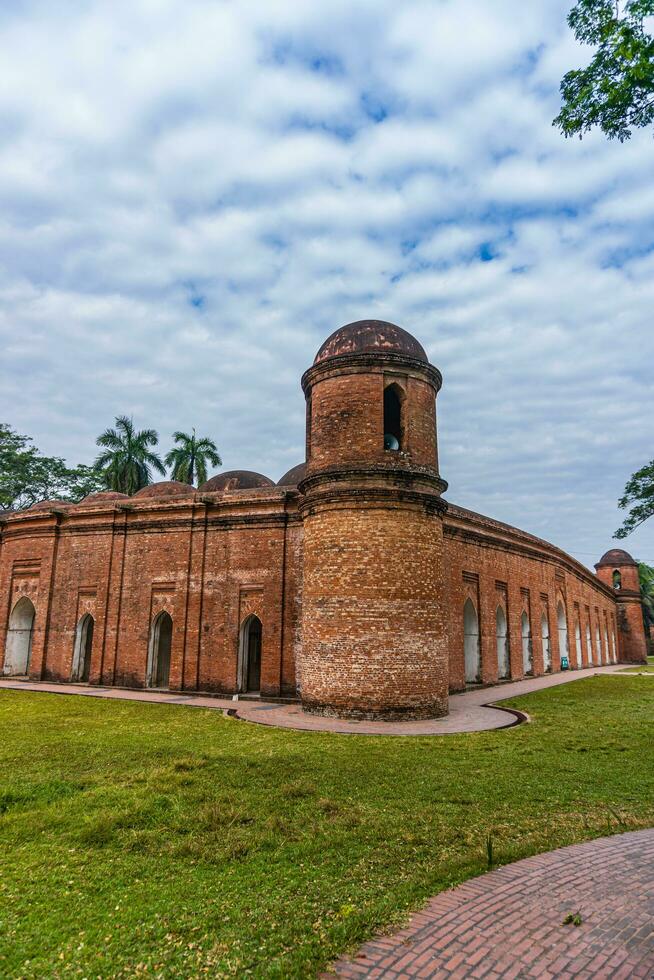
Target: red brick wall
pixel 208 566
pixel 374 630
pixel 504 566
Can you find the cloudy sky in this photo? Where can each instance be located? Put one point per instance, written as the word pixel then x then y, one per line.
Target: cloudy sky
pixel 195 193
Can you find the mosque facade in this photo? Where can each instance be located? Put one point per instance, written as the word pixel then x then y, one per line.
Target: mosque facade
pixel 351 584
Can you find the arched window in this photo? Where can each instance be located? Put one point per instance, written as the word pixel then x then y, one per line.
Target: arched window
pixel 617 579
pixel 527 658
pixel 545 637
pixel 578 652
pixel 82 650
pixel 161 641
pixel 249 660
pixel 18 647
pixel 393 418
pixel 589 647
pixel 471 643
pixel 503 667
pixel 562 625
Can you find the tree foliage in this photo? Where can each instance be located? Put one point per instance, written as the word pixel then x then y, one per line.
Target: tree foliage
pixel 188 459
pixel 646 576
pixel 616 90
pixel 639 498
pixel 128 459
pixel 26 477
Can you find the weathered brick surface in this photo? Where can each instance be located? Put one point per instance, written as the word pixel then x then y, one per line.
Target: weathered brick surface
pixel 209 565
pixel 358 577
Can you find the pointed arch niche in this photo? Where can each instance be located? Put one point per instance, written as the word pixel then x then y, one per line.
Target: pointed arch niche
pixel 18 646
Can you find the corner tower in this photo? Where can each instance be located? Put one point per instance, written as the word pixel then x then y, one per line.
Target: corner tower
pixel 619 570
pixel 373 620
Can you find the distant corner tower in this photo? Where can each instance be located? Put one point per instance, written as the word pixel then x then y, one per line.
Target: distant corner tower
pixel 619 570
pixel 373 617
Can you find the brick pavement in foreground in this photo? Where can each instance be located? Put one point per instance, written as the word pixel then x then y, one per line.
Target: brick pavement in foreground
pixel 509 923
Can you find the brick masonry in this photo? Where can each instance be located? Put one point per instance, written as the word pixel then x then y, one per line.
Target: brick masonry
pixel 359 576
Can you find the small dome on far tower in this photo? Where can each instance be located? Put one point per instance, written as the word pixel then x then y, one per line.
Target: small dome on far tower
pixel 616 557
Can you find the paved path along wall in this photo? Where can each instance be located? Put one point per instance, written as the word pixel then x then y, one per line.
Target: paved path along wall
pixel 472 711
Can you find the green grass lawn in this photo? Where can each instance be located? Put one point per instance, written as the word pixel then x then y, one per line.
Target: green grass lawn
pixel 647 668
pixel 155 840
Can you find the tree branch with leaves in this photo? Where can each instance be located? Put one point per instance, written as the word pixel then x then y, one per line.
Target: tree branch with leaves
pixel 616 90
pixel 639 498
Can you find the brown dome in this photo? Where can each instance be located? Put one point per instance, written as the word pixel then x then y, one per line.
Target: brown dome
pixel 47 504
pixel 167 488
pixel 96 498
pixel 236 480
pixel 616 557
pixel 294 476
pixel 370 336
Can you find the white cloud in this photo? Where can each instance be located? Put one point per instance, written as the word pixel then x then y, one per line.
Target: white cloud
pixel 193 195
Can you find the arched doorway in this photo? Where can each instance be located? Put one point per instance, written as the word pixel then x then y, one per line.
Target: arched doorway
pixel 161 640
pixel 562 625
pixel 249 666
pixel 527 659
pixel 545 635
pixel 502 644
pixel 598 645
pixel 589 647
pixel 83 649
pixel 578 653
pixel 615 657
pixel 471 643
pixel 18 647
pixel 607 648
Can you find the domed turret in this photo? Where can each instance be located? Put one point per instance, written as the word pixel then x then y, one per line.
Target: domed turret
pixel 49 504
pixel 164 490
pixel 103 496
pixel 615 557
pixel 370 336
pixel 373 643
pixel 617 569
pixel 293 476
pixel 236 480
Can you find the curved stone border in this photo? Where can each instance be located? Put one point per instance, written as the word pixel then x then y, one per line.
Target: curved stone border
pixel 512 921
pixel 470 711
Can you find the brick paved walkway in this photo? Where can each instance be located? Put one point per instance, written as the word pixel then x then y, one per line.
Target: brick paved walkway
pixel 471 711
pixel 509 923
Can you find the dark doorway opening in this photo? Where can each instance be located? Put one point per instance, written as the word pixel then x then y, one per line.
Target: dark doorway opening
pixel 251 655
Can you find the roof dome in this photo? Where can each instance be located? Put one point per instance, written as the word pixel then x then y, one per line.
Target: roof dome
pixel 371 336
pixel 47 504
pixel 294 476
pixel 96 498
pixel 236 480
pixel 167 488
pixel 615 557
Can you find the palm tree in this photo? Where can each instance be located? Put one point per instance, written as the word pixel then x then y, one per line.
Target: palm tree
pixel 128 461
pixel 189 457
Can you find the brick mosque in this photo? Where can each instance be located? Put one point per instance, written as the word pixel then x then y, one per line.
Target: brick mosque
pixel 351 584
